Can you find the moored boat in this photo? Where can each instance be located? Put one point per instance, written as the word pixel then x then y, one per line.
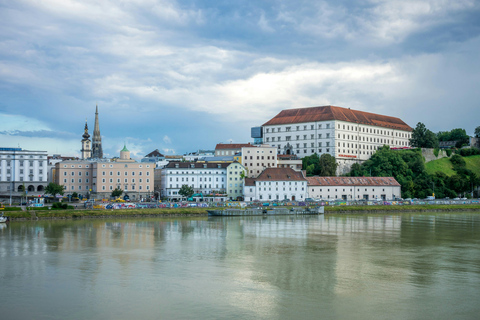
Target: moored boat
pixel 267 211
pixel 4 219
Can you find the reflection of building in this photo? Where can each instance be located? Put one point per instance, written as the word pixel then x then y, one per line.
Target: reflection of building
pixel 22 168
pixel 102 177
pixel 353 188
pixel 348 135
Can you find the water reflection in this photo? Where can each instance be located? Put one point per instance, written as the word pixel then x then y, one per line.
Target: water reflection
pixel 248 267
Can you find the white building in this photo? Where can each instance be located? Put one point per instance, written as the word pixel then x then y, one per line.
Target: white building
pixel 22 168
pixel 204 178
pixel 229 149
pixel 235 180
pixel 353 188
pixel 258 158
pixel 276 184
pixel 348 135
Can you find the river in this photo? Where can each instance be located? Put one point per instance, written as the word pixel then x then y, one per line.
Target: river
pixel 392 266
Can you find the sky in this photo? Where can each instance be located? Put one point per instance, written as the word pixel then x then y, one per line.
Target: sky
pixel 179 76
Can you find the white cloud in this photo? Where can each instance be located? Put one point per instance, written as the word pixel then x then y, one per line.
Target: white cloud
pixel 167 139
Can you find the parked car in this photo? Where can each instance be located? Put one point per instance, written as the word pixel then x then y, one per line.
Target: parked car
pixel 456 198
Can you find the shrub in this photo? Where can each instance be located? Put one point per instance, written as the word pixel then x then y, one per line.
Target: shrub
pixel 458 160
pixel 449 152
pixel 435 152
pixel 59 206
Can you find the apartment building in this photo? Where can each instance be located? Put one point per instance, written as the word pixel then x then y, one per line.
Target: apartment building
pixel 258 158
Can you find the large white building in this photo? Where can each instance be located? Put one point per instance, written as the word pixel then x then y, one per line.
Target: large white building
pixel 22 168
pixel 276 184
pixel 348 135
pixel 353 188
pixel 204 178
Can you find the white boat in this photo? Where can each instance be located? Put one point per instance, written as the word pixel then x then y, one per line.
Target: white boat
pixel 4 219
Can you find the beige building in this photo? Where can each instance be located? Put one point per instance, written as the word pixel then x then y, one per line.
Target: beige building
pixel 230 149
pixel 289 161
pixel 255 159
pixel 100 178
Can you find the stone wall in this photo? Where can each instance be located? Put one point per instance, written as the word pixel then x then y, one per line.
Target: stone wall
pixel 428 154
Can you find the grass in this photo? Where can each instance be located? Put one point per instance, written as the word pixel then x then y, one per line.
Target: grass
pixel 444 165
pixel 159 212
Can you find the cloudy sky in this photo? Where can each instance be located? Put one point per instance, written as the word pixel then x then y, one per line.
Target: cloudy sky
pixel 179 76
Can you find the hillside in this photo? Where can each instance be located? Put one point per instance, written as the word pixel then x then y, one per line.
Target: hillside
pixel 444 165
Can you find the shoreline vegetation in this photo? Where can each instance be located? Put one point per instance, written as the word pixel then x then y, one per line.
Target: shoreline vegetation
pixel 202 212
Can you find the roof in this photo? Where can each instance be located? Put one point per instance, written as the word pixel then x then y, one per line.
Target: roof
pixel 280 174
pixel 232 145
pixel 250 182
pixel 352 181
pixel 154 153
pixel 326 113
pixel 196 165
pixel 124 148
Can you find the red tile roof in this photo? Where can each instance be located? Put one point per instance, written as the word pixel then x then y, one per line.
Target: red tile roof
pixel 352 181
pixel 250 182
pixel 280 174
pixel 326 113
pixel 232 145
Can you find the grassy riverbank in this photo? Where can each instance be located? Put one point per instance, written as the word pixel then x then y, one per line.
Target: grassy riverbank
pixel 159 212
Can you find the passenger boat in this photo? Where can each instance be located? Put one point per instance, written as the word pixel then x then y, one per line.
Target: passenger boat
pixel 266 211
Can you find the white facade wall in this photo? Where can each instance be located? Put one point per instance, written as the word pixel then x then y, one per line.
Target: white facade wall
pixel 202 180
pixel 256 159
pixel 354 192
pixel 249 193
pixel 346 141
pixel 276 191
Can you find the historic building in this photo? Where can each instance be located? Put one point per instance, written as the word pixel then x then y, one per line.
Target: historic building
pixel 21 169
pixel 204 178
pixel 229 149
pixel 353 188
pixel 255 159
pixel 97 151
pixel 348 135
pixel 86 144
pixel 276 184
pixel 235 175
pixel 99 178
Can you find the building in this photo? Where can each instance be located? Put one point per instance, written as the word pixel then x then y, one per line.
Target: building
pixel 276 184
pixel 348 135
pixel 22 169
pixel 235 175
pixel 229 149
pixel 353 188
pixel 153 156
pixel 289 161
pixel 255 159
pixel 86 143
pixel 204 178
pixel 97 151
pixel 98 178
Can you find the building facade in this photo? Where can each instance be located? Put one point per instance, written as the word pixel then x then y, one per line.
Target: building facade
pixel 204 178
pixel 255 159
pixel 22 169
pixel 348 135
pixel 235 176
pixel 289 161
pixel 277 184
pixel 353 188
pixel 229 149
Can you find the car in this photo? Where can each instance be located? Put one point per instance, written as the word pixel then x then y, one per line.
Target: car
pixel 456 199
pixel 463 199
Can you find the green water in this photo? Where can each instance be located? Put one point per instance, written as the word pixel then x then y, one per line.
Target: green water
pixel 402 266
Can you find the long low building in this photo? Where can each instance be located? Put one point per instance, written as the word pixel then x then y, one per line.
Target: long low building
pixel 353 188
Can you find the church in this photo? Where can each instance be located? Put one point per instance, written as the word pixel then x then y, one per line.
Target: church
pixel 92 150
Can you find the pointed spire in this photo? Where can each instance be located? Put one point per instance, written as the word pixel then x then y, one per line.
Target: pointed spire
pixel 97 138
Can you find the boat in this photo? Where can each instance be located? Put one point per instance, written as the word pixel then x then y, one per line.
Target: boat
pixel 4 219
pixel 266 211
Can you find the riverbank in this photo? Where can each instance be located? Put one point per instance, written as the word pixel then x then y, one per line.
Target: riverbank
pixel 199 212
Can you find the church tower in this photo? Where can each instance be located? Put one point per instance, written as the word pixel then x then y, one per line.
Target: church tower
pixel 97 151
pixel 86 143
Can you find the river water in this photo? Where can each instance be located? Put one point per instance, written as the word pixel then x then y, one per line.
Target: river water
pixel 401 266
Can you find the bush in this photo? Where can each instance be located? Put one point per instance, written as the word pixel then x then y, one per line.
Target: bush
pixel 458 161
pixel 435 152
pixel 59 206
pixel 449 152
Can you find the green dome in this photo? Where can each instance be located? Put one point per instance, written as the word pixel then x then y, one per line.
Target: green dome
pixel 124 148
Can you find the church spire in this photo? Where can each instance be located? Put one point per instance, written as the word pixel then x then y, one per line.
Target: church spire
pixel 86 151
pixel 97 151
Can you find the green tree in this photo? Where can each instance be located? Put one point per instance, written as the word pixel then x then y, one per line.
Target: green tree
pixel 243 174
pixel 459 135
pixel 186 191
pixel 117 192
pixel 356 170
pixel 328 166
pixel 477 132
pixel 423 138
pixel 54 189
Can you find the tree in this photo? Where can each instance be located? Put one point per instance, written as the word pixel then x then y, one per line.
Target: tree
pixel 243 174
pixel 186 191
pixel 477 132
pixel 54 189
pixel 459 135
pixel 117 192
pixel 328 166
pixel 423 138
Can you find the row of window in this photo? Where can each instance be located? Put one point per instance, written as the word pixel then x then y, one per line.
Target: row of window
pixel 200 186
pixel 193 179
pixel 298 128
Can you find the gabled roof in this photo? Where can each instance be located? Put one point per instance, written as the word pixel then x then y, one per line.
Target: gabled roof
pixel 250 182
pixel 280 174
pixel 154 153
pixel 326 113
pixel 352 181
pixel 232 145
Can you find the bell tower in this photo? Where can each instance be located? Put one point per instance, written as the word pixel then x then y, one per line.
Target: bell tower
pixel 86 143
